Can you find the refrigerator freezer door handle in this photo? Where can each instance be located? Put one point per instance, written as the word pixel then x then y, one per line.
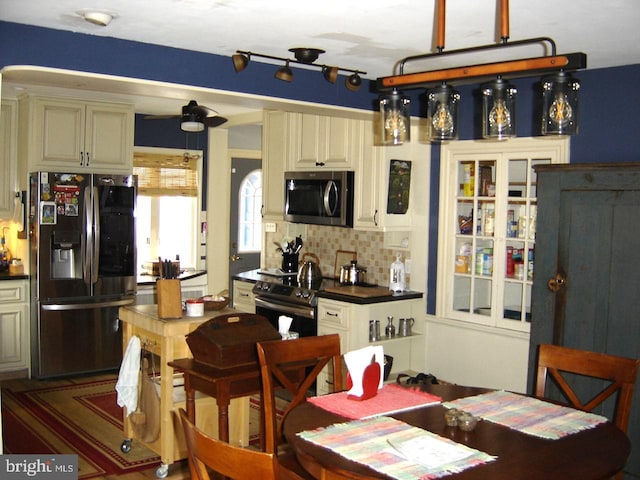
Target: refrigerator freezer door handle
pixel 96 238
pixel 88 219
pixel 82 306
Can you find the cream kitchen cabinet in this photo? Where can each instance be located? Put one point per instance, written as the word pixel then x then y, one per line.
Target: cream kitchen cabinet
pixel 351 322
pixel 318 141
pixel 275 140
pixel 75 135
pixel 14 326
pixel 8 158
pixel 243 296
pixel 488 208
pixel 372 182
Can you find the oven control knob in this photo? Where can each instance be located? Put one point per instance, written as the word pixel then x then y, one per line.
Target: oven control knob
pixel 305 294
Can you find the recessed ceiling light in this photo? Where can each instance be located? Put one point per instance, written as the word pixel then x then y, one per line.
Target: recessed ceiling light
pixel 97 17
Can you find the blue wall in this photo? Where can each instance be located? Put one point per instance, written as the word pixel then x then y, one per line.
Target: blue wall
pixel 609 98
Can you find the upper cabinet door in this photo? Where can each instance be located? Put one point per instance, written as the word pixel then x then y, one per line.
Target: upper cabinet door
pixel 59 141
pixel 323 142
pixel 8 158
pixel 66 134
pixel 109 136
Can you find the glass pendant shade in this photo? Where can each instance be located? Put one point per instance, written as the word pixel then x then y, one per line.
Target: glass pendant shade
pixel 498 110
pixel 560 104
pixel 442 113
pixel 394 112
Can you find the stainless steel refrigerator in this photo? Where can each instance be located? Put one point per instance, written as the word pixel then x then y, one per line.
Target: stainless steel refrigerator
pixel 83 269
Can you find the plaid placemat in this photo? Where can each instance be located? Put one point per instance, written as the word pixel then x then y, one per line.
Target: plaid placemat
pixel 391 398
pixel 396 449
pixel 527 415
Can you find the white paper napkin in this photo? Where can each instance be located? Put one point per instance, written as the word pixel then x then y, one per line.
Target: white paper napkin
pixel 358 360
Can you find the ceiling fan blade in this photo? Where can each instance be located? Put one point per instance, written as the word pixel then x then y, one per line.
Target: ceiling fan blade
pixel 203 112
pixel 214 121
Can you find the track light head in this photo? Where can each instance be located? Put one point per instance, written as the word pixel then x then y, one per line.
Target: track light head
pixel 240 61
pixel 353 82
pixel 285 74
pixel 330 74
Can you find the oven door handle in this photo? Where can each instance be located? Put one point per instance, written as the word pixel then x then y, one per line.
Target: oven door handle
pixel 306 312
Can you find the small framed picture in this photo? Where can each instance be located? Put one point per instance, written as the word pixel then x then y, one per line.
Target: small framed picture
pixel 48 214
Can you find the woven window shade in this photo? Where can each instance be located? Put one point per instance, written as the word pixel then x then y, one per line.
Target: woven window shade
pixel 166 175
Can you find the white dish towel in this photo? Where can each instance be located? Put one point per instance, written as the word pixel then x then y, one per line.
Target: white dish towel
pixel 129 376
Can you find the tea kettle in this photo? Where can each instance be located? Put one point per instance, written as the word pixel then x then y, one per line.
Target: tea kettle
pixel 309 274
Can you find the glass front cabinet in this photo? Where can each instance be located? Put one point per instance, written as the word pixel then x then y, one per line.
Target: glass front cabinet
pixel 487 229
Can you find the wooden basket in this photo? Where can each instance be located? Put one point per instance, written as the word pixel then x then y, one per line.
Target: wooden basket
pixel 210 304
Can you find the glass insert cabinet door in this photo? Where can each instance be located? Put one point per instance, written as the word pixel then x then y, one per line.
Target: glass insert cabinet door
pixel 488 210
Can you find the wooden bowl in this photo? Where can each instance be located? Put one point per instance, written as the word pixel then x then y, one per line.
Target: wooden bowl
pixel 215 302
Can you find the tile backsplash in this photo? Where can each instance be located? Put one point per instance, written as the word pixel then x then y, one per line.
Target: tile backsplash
pixel 326 241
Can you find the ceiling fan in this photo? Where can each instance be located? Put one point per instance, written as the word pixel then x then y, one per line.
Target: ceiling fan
pixel 194 117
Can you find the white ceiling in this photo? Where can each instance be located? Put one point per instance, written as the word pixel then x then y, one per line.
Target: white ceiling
pixel 369 35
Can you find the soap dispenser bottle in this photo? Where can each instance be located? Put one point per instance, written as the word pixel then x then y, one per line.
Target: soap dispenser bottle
pixel 397 276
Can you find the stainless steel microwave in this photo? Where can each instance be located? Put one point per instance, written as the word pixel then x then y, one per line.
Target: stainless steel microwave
pixel 319 198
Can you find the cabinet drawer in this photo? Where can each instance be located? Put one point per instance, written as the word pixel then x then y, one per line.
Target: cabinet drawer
pixel 243 298
pixel 12 292
pixel 333 313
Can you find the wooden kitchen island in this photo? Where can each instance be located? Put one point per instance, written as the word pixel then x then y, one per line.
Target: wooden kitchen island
pixel 165 338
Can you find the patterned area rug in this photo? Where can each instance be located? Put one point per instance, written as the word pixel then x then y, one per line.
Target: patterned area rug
pixel 80 417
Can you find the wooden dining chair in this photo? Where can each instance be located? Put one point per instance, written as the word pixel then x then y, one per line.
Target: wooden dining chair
pixel 620 372
pixel 293 365
pixel 228 460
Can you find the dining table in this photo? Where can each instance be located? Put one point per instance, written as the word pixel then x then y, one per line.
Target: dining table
pixel 594 453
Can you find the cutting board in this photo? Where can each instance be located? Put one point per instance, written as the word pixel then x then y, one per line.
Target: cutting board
pixel 359 291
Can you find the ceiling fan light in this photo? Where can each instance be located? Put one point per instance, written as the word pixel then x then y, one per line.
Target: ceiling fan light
pixel 285 74
pixel 330 74
pixel 353 82
pixel 240 61
pixel 191 126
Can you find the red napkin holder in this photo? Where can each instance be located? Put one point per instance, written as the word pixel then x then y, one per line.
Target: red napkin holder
pixel 370 382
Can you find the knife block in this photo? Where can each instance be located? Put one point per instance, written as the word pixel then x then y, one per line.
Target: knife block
pixel 169 298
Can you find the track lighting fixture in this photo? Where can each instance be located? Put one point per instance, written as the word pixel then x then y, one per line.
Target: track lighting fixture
pixel 559 96
pixel 303 56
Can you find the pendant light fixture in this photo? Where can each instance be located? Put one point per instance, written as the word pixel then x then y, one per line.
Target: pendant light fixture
pixel 560 104
pixel 560 91
pixel 303 56
pixel 498 110
pixel 396 123
pixel 442 113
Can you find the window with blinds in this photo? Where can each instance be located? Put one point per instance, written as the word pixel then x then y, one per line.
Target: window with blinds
pixel 168 202
pixel 163 175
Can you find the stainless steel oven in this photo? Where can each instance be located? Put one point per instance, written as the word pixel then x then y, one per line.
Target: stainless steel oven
pixel 276 298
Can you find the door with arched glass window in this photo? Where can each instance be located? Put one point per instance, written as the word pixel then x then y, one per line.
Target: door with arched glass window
pixel 245 233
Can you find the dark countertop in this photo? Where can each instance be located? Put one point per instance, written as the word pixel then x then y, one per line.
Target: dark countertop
pixel 151 279
pixel 13 276
pixel 254 276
